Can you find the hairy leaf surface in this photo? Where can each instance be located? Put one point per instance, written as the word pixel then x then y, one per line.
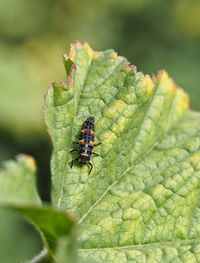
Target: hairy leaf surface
pixel 140 203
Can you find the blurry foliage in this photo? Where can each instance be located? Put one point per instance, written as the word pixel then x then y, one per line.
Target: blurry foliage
pixel 19 241
pixel 186 16
pixel 155 34
pixel 20 19
pixel 33 35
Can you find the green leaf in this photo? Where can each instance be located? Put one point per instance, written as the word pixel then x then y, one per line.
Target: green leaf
pixel 18 193
pixel 17 182
pixel 51 223
pixel 140 203
pixel 65 251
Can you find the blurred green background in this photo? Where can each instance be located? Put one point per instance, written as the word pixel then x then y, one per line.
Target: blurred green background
pixel 152 34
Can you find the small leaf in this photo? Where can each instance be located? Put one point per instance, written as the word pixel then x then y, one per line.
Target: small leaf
pixel 51 223
pixel 18 193
pixel 17 182
pixel 141 201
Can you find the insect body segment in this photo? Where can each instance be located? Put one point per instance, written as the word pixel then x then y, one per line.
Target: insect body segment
pixel 86 143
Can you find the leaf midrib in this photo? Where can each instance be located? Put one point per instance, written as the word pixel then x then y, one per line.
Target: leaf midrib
pixel 150 244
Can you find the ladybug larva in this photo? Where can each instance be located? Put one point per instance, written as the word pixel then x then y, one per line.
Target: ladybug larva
pixel 86 143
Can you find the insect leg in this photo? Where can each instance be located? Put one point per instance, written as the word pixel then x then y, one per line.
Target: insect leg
pixel 91 166
pixel 96 154
pixel 72 162
pixel 96 144
pixel 74 150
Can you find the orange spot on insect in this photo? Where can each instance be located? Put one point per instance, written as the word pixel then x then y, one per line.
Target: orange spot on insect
pixel 81 141
pixel 91 132
pixel 83 131
pixel 91 142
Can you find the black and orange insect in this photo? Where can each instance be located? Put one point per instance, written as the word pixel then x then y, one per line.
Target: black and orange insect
pixel 86 143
